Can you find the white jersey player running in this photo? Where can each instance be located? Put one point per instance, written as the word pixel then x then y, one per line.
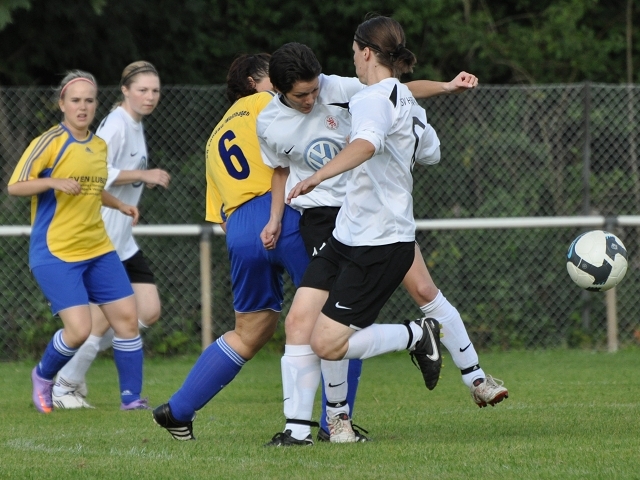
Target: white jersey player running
pixel 127 175
pixel 298 142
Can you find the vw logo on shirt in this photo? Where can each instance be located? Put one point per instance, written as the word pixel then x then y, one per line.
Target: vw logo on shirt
pixel 320 151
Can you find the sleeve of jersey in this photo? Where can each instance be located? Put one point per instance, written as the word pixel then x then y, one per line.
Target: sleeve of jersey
pixel 36 158
pixel 269 156
pixel 267 146
pixel 371 119
pixel 351 86
pixel 428 152
pixel 112 132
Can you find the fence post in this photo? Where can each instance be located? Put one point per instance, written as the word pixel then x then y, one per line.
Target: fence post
pixel 205 285
pixel 611 301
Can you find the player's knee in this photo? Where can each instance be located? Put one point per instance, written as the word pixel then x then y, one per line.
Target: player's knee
pixel 74 337
pixel 424 292
pixel 325 350
pixel 150 317
pixel 297 325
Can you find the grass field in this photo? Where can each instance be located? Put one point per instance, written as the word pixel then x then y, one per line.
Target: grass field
pixel 571 414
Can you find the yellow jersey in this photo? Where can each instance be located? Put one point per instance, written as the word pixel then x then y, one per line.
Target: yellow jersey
pixel 66 227
pixel 235 171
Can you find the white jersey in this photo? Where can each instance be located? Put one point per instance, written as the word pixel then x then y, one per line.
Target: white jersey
pixel 378 207
pixel 127 150
pixel 306 142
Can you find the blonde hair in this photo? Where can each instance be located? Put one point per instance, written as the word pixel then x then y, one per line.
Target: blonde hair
pixel 72 77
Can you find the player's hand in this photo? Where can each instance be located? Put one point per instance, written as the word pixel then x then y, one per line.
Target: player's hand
pixel 66 185
pixel 157 176
pixel 270 234
pixel 303 187
pixel 130 211
pixel 463 81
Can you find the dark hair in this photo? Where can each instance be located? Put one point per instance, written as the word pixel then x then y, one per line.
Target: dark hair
pixel 385 37
pixel 129 74
pixel 255 66
pixel 291 63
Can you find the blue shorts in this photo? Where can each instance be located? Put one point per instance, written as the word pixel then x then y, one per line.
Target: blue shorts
pixel 70 284
pixel 256 273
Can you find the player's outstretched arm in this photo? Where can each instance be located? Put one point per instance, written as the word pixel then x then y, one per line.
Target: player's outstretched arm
pixel 354 154
pixel 429 88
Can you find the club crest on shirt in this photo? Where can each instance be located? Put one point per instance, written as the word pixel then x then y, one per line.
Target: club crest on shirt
pixel 331 122
pixel 320 151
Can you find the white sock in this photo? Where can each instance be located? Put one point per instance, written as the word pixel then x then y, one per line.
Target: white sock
pixel 335 386
pixel 106 341
pixel 377 339
pixel 300 380
pixel 74 372
pixel 454 336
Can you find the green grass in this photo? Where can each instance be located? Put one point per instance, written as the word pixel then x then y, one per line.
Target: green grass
pixel 571 414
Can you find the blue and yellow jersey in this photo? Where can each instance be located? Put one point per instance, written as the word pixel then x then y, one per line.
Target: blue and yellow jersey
pixel 235 170
pixel 66 227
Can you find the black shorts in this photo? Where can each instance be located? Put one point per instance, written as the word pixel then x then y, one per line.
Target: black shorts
pixel 316 227
pixel 359 280
pixel 138 269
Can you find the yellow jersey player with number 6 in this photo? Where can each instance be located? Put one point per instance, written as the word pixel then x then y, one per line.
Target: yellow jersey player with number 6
pixel 239 198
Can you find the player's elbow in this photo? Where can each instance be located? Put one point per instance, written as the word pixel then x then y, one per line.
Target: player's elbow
pixel 430 158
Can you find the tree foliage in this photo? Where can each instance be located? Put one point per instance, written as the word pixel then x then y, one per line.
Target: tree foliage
pixel 194 41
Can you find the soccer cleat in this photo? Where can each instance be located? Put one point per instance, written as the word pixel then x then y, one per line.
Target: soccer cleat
pixel 178 430
pixel 488 391
pixel 41 394
pixel 284 439
pixel 69 400
pixel 323 435
pixel 426 353
pixel 139 404
pixel 340 429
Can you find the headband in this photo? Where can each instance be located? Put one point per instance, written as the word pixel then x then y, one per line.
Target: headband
pixel 78 79
pixel 361 40
pixel 395 53
pixel 148 68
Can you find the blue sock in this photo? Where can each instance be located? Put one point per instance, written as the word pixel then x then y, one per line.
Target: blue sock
pixel 56 356
pixel 216 367
pixel 129 357
pixel 353 379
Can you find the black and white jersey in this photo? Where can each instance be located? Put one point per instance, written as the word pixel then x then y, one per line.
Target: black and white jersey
pixel 126 150
pixel 378 206
pixel 306 142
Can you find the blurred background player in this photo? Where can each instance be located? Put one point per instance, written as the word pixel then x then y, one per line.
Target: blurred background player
pixel 127 160
pixel 64 171
pixel 315 107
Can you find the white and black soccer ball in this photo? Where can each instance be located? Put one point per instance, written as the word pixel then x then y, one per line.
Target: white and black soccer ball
pixel 597 261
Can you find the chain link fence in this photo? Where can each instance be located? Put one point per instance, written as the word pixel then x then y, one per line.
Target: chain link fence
pixel 560 150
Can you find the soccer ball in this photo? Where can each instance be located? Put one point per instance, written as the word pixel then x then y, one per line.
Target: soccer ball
pixel 597 261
